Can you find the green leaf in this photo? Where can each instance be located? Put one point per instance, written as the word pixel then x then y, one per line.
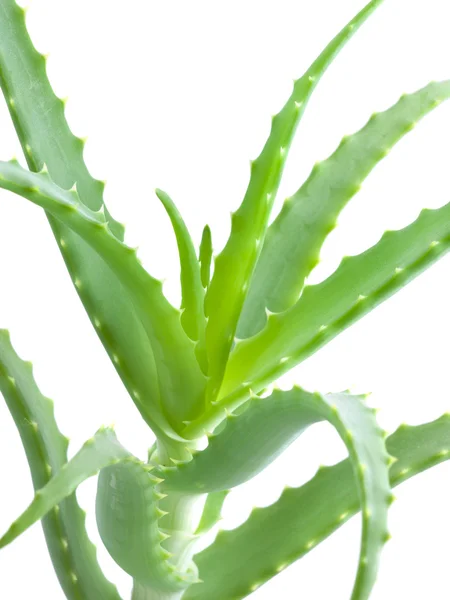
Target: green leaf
pixel 212 511
pixel 127 495
pixel 235 264
pixel 242 559
pixel 193 294
pixel 237 454
pixel 39 119
pixel 292 245
pixel 72 553
pixel 100 451
pixel 205 256
pixel 127 518
pixel 179 374
pixel 324 310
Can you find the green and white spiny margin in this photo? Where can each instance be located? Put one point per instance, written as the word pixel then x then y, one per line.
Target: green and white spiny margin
pixel 199 369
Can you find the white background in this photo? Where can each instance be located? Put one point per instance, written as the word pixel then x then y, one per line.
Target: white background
pixel 179 94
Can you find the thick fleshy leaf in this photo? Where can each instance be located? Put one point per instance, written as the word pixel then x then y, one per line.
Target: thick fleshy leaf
pixel 72 553
pixel 324 310
pixel 100 451
pixel 212 511
pixel 234 266
pixel 193 294
pixel 179 374
pixel 292 245
pixel 242 559
pixel 39 119
pixel 127 500
pixel 128 521
pixel 237 453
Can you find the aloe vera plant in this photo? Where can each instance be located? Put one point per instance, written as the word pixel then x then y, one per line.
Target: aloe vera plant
pixel 208 368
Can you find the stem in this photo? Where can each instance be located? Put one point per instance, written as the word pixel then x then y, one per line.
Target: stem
pixel 142 593
pixel 184 513
pixel 180 523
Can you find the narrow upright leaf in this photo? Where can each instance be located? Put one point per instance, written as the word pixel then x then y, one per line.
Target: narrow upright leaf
pixel 128 515
pixel 292 245
pixel 205 256
pixel 193 294
pixel 235 264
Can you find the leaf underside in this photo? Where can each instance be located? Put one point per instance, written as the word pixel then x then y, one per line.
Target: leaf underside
pixel 242 559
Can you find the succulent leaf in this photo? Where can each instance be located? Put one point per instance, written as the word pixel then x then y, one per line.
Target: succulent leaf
pixel 179 375
pixel 292 245
pixel 38 114
pixel 100 451
pixel 275 536
pixel 193 293
pixel 72 553
pixel 39 118
pixel 127 518
pixel 235 264
pixel 204 368
pixel 358 285
pixel 212 511
pixel 205 256
pixel 236 454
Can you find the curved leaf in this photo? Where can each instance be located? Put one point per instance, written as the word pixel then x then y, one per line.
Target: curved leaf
pixel 97 453
pixel 127 518
pixel 237 453
pixel 242 559
pixel 72 553
pixel 127 501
